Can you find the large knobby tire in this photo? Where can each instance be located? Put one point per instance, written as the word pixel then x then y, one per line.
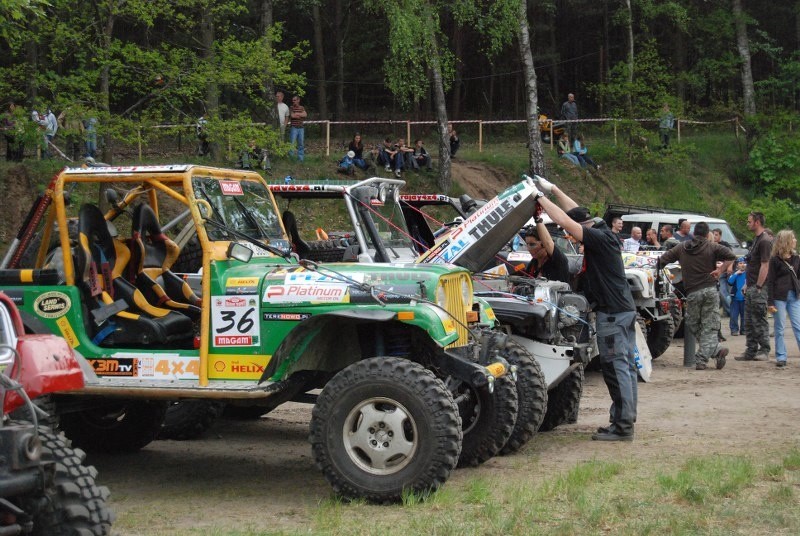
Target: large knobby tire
pixel 532 391
pixel 115 426
pixel 75 505
pixel 189 419
pixel 563 401
pixel 190 259
pixel 487 419
pixel 659 336
pixel 383 426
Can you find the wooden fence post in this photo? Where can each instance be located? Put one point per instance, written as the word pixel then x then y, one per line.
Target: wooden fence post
pixel 615 132
pixel 480 135
pixel 139 136
pixel 409 143
pixel 328 137
pixel 679 130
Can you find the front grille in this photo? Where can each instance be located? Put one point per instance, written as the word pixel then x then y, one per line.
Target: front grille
pixel 456 306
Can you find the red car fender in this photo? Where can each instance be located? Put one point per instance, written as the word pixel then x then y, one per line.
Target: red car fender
pixel 46 364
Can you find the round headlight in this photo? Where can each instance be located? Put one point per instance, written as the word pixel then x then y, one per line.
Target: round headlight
pixel 396 195
pixel 466 292
pixel 441 297
pixel 382 194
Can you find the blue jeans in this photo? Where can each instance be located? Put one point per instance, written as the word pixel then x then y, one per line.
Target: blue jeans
pixel 737 316
pixel 298 135
pixel 792 306
pixel 725 293
pixel 616 340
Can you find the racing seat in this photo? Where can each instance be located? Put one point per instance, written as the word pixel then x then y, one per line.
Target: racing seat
pixel 290 224
pixel 152 256
pixel 120 311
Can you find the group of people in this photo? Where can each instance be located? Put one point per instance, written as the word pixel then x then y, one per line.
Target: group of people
pixel 571 145
pixel 80 134
pixel 394 155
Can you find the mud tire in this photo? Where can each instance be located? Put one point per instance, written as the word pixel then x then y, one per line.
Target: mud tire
pixel 659 336
pixel 75 505
pixel 488 419
pixel 411 403
pixel 115 426
pixel 532 394
pixel 190 259
pixel 563 401
pixel 189 419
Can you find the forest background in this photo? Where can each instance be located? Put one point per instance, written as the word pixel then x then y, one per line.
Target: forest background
pixel 135 64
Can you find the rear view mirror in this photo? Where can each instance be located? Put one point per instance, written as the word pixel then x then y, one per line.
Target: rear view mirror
pixel 239 252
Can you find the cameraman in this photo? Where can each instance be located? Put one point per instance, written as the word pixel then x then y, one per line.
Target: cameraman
pixel 606 287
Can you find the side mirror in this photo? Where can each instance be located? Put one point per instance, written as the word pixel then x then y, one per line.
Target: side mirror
pixel 239 252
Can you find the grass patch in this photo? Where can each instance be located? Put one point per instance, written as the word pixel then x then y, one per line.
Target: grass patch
pixel 702 480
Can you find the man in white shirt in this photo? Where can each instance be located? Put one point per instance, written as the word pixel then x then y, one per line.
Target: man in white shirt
pixel 632 244
pixel 283 113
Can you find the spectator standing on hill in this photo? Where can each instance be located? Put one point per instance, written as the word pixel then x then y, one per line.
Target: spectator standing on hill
pixel 783 289
pixel 204 147
pixel 569 112
pixel 665 125
pixel 297 134
pixel 455 142
pixel 607 289
pixel 755 295
pixel 51 128
pixel 699 258
pixel 90 131
pixel 283 113
pixel 736 283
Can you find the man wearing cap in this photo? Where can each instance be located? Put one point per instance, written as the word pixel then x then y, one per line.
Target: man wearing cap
pixel 606 287
pixel 698 258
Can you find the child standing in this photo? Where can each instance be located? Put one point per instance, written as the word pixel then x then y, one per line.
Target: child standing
pixel 737 281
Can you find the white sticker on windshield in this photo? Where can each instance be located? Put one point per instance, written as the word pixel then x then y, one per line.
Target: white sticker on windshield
pixel 231 188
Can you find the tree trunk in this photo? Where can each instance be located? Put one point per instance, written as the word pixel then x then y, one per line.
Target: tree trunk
pixel 629 23
pixel 319 54
pixel 269 86
pixel 445 180
pixel 106 152
pixel 339 32
pixel 743 45
pixel 455 103
pixel 536 163
pixel 554 71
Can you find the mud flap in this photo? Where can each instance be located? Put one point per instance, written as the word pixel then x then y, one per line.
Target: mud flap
pixel 644 361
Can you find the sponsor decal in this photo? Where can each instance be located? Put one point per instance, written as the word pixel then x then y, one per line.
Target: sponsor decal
pixel 234 321
pixel 238 367
pixel 241 285
pixel 231 188
pixel 316 277
pixel 449 325
pixel 52 304
pixel 298 188
pixel 519 256
pixel 312 292
pixel 127 366
pixel 294 317
pixel 425 197
pixel 485 225
pixel 18 297
pixel 67 332
pixel 513 189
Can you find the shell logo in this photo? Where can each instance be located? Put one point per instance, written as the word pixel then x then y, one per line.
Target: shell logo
pixel 219 366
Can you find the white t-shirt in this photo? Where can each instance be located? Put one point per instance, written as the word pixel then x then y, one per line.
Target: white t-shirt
pixel 283 113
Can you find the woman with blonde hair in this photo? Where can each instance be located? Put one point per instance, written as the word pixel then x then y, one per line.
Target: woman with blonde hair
pixel 783 289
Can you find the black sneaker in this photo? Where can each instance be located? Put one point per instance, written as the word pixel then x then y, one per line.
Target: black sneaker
pixel 781 364
pixel 744 357
pixel 611 436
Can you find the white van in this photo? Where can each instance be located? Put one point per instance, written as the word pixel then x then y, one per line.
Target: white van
pixel 653 219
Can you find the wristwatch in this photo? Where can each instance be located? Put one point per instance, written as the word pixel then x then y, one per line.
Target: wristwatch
pixel 538 195
pixel 538 220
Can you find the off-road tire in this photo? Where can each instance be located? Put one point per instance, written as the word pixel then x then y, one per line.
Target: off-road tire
pixel 659 336
pixel 487 419
pixel 532 391
pixel 345 421
pixel 75 505
pixel 124 426
pixel 563 401
pixel 189 419
pixel 190 259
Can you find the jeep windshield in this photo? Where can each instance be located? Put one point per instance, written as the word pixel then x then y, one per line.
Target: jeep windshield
pixel 391 228
pixel 243 207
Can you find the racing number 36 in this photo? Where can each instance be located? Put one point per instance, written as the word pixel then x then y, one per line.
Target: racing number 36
pixel 228 319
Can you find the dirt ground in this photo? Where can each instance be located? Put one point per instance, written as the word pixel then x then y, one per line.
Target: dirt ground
pixel 260 474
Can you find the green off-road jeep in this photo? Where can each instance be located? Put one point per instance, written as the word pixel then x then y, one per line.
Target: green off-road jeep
pixel 389 346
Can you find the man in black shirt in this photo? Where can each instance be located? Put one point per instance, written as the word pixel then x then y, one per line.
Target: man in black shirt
pixel 606 287
pixel 755 295
pixel 548 261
